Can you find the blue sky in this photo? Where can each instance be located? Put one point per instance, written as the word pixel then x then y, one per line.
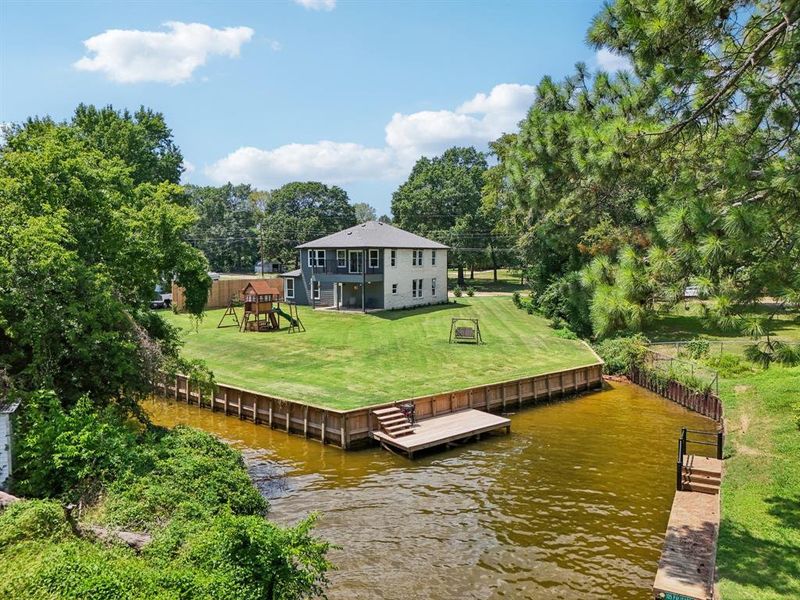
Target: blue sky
pixel 349 93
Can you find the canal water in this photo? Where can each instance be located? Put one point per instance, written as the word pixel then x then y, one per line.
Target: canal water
pixel 573 504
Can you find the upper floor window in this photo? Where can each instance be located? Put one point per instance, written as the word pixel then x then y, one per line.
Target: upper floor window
pixel 356 261
pixel 316 258
pixel 374 259
pixel 416 258
pixel 341 259
pixel 433 258
pixel 393 258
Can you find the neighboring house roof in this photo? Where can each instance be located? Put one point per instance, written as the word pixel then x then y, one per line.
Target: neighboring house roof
pixel 264 286
pixel 373 234
pixel 295 273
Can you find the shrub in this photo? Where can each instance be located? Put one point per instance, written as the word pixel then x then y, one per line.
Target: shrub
pixel 621 353
pixel 32 520
pixel 696 349
pixel 516 299
pixel 470 291
pixel 567 299
pixel 192 472
pixel 69 453
pixel 457 292
pixel 565 333
pixel 727 364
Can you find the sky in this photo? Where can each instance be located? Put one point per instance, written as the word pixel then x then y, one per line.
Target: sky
pixel 347 93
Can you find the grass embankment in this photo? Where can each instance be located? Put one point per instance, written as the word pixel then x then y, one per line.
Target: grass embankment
pixel 350 360
pixel 759 546
pixel 508 281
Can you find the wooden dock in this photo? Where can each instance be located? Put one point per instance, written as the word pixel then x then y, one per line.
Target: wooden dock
pixel 687 567
pixel 445 429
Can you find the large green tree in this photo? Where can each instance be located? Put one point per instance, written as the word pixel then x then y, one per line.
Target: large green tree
pixel 141 140
pixel 226 226
pixel 364 212
pixel 441 199
pixel 299 212
pixel 83 244
pixel 725 85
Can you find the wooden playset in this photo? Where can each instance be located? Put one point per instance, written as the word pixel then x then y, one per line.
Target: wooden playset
pixel 261 301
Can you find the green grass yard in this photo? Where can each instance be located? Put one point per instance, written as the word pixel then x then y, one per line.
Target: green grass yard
pixel 508 281
pixel 348 360
pixel 758 554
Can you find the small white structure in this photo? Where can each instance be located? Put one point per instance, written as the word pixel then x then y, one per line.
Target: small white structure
pixel 270 266
pixel 7 408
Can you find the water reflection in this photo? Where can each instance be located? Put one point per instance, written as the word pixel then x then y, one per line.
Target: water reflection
pixel 572 504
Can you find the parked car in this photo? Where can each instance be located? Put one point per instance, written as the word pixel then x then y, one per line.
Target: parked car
pixel 214 276
pixel 161 301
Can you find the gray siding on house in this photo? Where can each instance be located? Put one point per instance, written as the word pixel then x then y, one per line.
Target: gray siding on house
pixel 300 295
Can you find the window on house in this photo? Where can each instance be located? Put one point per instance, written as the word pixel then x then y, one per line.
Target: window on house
pixel 393 258
pixel 315 289
pixel 341 259
pixel 419 287
pixel 356 261
pixel 316 258
pixel 433 258
pixel 374 257
pixel 394 288
pixel 416 258
pixel 433 286
pixel 413 288
pixel 289 287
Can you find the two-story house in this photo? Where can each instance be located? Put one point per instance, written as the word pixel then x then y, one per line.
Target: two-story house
pixel 370 266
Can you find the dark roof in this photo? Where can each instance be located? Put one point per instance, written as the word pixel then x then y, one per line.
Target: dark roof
pixel 373 234
pixel 295 273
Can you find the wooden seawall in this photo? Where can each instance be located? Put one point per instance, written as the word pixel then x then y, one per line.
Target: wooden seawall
pixel 352 428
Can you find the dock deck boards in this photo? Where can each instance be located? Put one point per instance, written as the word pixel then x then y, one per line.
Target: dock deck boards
pixel 451 427
pixel 687 564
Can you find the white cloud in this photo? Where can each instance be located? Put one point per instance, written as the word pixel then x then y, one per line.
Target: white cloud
pixel 327 161
pixel 132 56
pixel 275 45
pixel 188 169
pixel 611 61
pixel 317 4
pixel 408 136
pixel 475 122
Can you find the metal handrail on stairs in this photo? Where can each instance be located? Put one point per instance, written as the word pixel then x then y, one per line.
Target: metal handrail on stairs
pixel 683 443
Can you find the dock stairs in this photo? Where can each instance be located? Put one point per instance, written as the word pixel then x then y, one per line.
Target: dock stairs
pixel 393 422
pixel 701 474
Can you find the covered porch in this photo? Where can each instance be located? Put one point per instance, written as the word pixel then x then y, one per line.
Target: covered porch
pixel 358 296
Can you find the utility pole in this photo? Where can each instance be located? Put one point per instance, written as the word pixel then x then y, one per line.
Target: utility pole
pixel 261 244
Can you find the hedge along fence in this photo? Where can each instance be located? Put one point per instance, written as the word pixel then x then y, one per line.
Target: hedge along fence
pixel 649 377
pixel 352 428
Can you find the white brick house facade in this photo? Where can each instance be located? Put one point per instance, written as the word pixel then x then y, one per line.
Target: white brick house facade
pixel 399 287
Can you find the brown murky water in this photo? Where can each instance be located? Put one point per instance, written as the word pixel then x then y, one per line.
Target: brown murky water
pixel 573 504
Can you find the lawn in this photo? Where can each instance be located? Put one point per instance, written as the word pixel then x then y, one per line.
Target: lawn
pixel 348 360
pixel 759 546
pixel 507 281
